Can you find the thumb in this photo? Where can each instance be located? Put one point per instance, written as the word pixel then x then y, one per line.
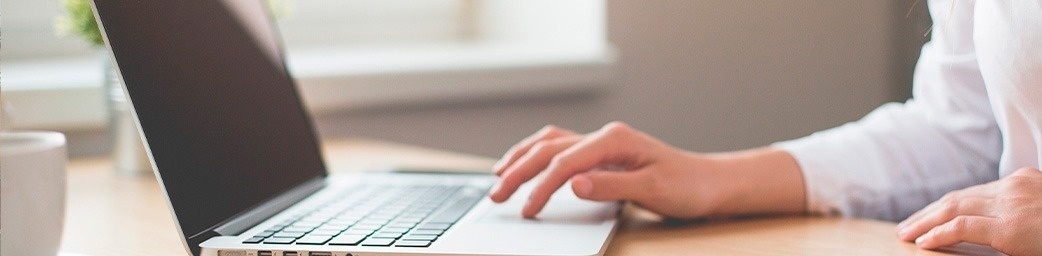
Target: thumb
pixel 608 185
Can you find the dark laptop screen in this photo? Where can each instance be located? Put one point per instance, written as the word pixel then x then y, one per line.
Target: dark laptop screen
pixel 220 113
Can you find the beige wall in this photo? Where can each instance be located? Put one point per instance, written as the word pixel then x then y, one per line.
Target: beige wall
pixel 702 75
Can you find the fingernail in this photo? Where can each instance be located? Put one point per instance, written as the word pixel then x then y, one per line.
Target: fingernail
pixel 526 209
pixel 920 240
pixel 495 189
pixel 582 185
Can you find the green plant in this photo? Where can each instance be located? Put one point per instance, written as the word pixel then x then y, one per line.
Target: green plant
pixel 79 19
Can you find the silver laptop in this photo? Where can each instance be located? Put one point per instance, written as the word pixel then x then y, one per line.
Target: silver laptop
pixel 238 159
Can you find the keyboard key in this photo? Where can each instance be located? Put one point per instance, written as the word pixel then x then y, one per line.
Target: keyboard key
pixel 380 217
pixel 350 216
pixel 426 232
pixel 324 232
pixel 420 237
pixel 332 227
pixel 377 242
pixel 387 235
pixel 421 211
pixel 408 219
pixel 363 232
pixel 346 240
pixel 314 219
pixel 412 243
pixel 253 240
pixel 298 229
pixel 313 239
pixel 436 226
pixel 366 226
pixel 326 212
pixel 265 234
pixel 372 222
pixel 358 211
pixel 418 216
pixel 393 209
pixel 340 222
pixel 307 224
pixel 405 225
pixel 279 240
pixel 285 234
pixel 395 230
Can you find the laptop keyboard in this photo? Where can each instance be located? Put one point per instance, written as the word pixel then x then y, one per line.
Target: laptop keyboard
pixel 400 215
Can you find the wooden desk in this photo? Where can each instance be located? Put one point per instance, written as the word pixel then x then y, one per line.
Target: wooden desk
pixel 115 215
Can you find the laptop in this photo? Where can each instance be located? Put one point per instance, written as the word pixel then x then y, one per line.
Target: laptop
pixel 239 162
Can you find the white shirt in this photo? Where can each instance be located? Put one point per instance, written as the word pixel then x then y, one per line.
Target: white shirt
pixel 975 116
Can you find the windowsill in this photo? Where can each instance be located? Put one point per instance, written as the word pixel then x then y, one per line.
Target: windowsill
pixel 66 94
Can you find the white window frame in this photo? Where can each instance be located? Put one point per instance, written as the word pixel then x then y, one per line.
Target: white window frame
pixel 515 49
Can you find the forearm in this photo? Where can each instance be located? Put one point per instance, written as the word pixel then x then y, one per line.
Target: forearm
pixel 757 181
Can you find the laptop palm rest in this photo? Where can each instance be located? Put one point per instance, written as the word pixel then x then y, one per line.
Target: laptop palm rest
pixel 564 208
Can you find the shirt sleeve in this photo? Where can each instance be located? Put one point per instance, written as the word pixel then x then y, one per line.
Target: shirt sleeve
pixel 903 156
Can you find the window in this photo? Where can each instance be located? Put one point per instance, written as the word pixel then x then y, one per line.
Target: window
pixel 345 54
pixel 29 29
pixel 312 23
pixel 29 33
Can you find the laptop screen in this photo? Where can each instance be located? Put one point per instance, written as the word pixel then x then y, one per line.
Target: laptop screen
pixel 221 115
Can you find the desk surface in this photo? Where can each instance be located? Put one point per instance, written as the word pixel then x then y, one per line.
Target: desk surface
pixel 116 215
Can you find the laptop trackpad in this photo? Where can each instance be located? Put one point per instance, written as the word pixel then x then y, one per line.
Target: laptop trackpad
pixel 564 208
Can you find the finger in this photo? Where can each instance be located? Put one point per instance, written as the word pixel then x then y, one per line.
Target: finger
pixel 529 165
pixel 610 185
pixel 970 229
pixel 612 142
pixel 944 212
pixel 515 152
pixel 984 190
pixel 917 215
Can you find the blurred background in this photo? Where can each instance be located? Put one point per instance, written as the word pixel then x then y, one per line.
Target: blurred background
pixel 477 76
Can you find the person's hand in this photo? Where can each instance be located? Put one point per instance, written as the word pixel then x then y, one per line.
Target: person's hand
pixel 1005 214
pixel 618 162
pixel 643 170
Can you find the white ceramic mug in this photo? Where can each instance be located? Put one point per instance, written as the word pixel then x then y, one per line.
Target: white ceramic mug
pixel 32 192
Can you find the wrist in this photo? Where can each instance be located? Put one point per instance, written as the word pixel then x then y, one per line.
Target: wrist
pixel 757 181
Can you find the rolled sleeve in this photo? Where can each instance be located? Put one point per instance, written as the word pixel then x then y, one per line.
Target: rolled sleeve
pixel 823 196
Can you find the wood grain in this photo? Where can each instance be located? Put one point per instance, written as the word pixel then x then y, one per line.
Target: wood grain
pixel 117 215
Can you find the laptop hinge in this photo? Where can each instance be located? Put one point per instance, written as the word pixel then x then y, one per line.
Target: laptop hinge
pixel 240 223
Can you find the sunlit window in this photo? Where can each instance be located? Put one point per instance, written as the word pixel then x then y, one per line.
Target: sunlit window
pixel 335 43
pixel 29 25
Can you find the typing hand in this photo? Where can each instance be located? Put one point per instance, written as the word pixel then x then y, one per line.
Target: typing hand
pixel 616 162
pixel 1005 214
